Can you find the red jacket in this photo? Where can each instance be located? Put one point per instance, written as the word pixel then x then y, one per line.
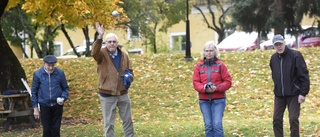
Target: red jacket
pixel 219 75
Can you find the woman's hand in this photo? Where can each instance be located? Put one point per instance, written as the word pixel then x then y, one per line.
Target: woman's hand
pixel 211 90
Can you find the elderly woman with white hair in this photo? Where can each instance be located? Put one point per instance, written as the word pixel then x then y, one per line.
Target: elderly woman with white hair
pixel 211 79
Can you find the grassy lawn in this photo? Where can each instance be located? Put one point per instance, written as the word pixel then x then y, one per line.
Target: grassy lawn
pixel 164 102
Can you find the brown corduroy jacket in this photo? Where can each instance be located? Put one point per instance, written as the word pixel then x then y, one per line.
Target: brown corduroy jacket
pixel 110 81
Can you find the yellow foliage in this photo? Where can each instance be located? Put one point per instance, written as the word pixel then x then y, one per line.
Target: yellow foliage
pixel 79 13
pixel 12 3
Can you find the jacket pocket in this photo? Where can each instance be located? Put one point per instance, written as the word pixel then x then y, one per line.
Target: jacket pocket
pixel 101 83
pixel 296 89
pixel 104 80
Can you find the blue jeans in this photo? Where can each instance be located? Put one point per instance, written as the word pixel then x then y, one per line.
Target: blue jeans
pixel 212 112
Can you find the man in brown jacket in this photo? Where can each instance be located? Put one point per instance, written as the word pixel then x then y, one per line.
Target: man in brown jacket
pixel 111 64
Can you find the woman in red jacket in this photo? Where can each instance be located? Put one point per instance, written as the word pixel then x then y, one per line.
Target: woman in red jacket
pixel 211 79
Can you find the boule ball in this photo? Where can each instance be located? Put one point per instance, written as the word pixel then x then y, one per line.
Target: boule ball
pixel 115 13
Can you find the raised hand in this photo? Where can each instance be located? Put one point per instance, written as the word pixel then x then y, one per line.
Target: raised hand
pixel 100 30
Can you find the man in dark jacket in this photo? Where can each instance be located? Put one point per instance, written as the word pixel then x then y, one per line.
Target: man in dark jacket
pixel 49 89
pixel 291 84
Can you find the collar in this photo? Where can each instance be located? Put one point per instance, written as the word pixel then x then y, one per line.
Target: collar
pixel 286 50
pixel 115 54
pixel 47 71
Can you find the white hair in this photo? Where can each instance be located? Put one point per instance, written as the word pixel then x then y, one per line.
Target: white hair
pixel 211 44
pixel 109 35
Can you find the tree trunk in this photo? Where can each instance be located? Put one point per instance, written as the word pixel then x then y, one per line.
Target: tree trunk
pixel 44 43
pixel 31 50
pixel 154 38
pixel 96 36
pixel 69 39
pixel 50 40
pixel 86 35
pixel 23 50
pixel 221 34
pixel 279 29
pixel 214 26
pixel 11 71
pixel 32 37
pixel 258 39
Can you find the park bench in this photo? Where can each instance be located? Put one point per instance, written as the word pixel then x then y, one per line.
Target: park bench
pixel 13 112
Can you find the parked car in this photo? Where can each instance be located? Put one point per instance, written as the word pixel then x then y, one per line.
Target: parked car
pixel 70 54
pixel 239 41
pixel 81 49
pixel 310 37
pixel 267 45
pixel 310 42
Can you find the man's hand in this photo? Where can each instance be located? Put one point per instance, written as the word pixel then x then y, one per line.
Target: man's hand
pixel 100 30
pixel 301 99
pixel 60 101
pixel 36 113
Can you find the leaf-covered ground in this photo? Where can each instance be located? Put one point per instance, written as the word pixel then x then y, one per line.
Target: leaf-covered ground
pixel 164 102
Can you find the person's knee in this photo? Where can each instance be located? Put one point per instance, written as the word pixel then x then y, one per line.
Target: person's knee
pixel 217 124
pixel 294 117
pixel 277 119
pixel 208 126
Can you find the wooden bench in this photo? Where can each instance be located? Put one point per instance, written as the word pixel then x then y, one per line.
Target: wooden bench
pixel 13 112
pixel 5 111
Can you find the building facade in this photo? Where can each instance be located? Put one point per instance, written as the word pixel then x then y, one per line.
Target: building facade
pixel 174 38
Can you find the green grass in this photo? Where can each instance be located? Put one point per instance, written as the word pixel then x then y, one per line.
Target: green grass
pixel 164 103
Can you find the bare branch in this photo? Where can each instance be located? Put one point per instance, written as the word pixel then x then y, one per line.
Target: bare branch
pixel 204 17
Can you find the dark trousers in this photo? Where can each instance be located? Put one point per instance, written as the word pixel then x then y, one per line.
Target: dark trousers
pixel 51 120
pixel 280 104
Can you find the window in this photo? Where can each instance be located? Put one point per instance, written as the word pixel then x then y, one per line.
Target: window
pixel 132 36
pixel 178 42
pixel 57 46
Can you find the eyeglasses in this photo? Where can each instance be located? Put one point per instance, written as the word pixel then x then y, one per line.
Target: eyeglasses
pixel 208 51
pixel 112 41
pixel 278 45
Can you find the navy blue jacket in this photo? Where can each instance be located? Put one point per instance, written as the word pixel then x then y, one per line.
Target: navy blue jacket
pixel 47 88
pixel 289 73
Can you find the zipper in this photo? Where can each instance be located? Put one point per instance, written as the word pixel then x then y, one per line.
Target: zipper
pixel 50 89
pixel 117 81
pixel 281 75
pixel 119 53
pixel 209 80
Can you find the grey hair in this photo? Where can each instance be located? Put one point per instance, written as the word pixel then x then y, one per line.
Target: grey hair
pixel 109 35
pixel 211 44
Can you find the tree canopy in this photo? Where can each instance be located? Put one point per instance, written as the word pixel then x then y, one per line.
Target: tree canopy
pixel 77 13
pixel 217 20
pixel 262 15
pixel 149 16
